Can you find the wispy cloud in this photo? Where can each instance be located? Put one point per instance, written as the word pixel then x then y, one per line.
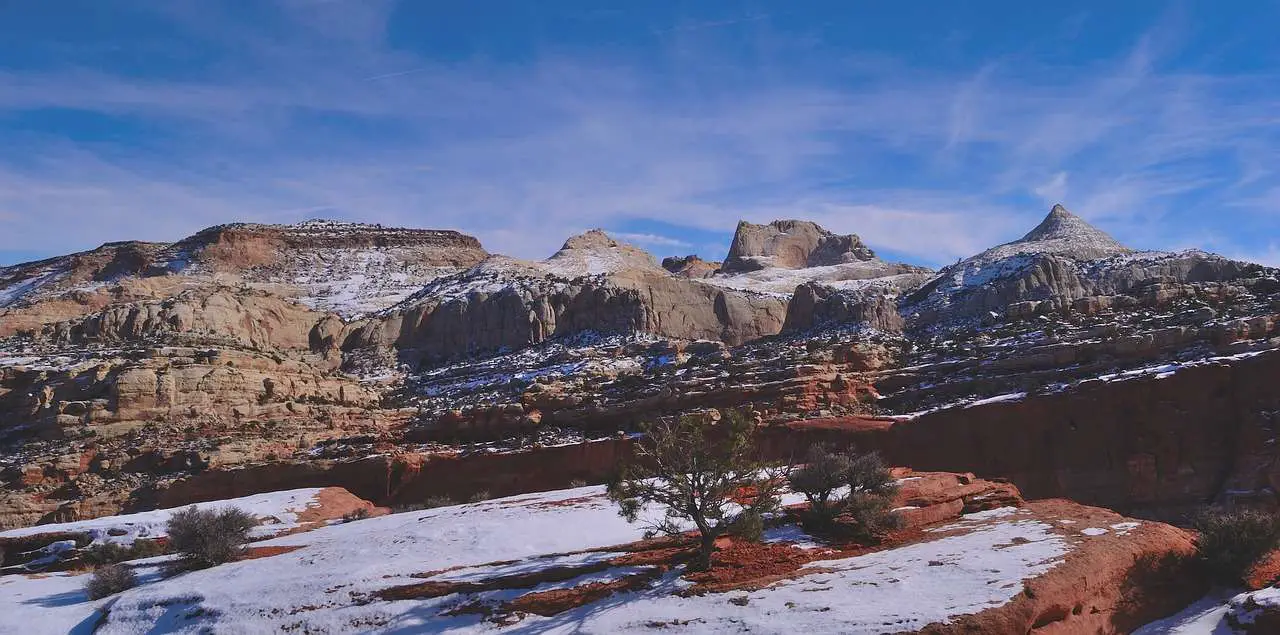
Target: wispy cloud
pixel 1053 190
pixel 321 112
pixel 651 239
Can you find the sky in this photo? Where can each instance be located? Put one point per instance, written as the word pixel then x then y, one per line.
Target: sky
pixel 932 129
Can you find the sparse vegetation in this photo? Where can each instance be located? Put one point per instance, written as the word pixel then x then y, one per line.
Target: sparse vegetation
pixel 205 538
pixel 431 502
pixel 356 514
pixel 702 472
pixel 480 496
pixel 1231 541
pixel 577 482
pixel 106 553
pixel 856 489
pixel 109 580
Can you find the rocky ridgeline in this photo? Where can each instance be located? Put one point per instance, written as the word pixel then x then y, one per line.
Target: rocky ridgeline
pixel 250 355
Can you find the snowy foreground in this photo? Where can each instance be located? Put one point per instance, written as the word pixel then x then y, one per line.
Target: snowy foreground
pixel 277 511
pixel 1215 613
pixel 327 580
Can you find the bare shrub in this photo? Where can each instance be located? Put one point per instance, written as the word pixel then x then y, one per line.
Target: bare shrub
pixel 205 538
pixel 113 552
pixel 109 580
pixel 1231 541
pixel 856 489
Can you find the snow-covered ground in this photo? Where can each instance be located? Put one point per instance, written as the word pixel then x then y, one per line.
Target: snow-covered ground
pixel 1214 614
pixel 278 512
pixel 329 583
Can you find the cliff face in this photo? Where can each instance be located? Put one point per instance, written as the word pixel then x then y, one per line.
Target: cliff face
pixel 1158 446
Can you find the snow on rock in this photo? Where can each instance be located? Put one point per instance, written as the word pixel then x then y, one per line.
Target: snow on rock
pixel 913 586
pixel 1061 233
pixel 782 282
pixel 17 282
pixel 353 283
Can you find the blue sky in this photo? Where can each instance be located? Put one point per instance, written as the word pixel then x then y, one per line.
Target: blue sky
pixel 932 129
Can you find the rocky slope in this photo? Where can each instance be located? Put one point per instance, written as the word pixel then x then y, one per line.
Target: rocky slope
pixel 348 268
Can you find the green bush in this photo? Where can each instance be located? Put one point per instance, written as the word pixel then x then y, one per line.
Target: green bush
pixel 696 469
pixel 748 526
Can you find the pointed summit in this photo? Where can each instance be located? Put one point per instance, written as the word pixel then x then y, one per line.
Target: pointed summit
pixel 1068 234
pixel 594 253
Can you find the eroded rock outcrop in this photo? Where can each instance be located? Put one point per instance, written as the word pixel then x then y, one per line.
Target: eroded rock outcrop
pixel 791 244
pixel 592 284
pixel 690 266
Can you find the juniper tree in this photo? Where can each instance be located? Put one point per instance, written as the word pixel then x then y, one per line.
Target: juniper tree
pixel 700 472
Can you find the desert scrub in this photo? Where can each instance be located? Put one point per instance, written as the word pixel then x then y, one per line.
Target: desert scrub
pixel 695 469
pixel 105 553
pixel 205 538
pixel 109 580
pixel 850 492
pixel 1231 541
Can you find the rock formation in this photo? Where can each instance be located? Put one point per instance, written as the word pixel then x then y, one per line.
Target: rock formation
pixel 690 266
pixel 592 284
pixel 1065 264
pixel 791 244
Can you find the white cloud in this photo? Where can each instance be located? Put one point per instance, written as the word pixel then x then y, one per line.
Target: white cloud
pixel 1054 190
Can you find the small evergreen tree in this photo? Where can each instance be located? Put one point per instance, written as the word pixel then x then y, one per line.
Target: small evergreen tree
pixel 700 472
